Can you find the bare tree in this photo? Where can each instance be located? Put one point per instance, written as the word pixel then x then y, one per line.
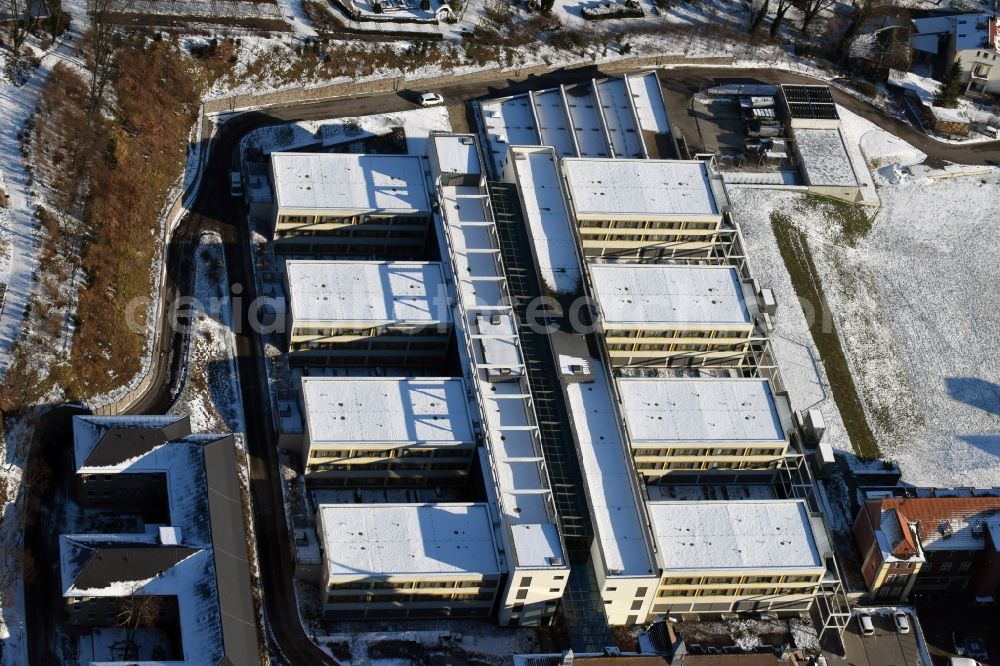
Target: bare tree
pixel 779 16
pixel 864 11
pixel 17 14
pixel 811 9
pixel 137 611
pixel 756 11
pixel 99 47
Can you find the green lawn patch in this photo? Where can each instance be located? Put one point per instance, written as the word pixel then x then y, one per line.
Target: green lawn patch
pixel 805 279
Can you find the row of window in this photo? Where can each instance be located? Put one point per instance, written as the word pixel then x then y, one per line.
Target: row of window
pixel 413 585
pixel 704 453
pixel 733 592
pixel 390 331
pixel 679 332
pixel 407 598
pixel 670 348
pixel 944 567
pixel 370 344
pixel 680 225
pixel 385 466
pixel 350 219
pixel 739 580
pixel 408 452
pixel 346 233
pixel 703 465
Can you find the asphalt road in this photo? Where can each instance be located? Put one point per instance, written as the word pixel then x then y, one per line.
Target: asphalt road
pixel 216 210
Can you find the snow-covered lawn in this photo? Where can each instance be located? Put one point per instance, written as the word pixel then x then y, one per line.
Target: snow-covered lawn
pixel 917 306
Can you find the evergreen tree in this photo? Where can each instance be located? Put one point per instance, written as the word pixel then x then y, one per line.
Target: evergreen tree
pixel 947 95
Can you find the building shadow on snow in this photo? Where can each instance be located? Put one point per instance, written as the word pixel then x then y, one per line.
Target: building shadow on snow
pixel 975 392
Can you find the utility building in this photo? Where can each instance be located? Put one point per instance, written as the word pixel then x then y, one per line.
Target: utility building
pixel 346 204
pixel 371 431
pixel 351 313
pixel 670 315
pixel 688 426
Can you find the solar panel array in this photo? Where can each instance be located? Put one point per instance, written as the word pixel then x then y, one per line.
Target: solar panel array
pixel 810 102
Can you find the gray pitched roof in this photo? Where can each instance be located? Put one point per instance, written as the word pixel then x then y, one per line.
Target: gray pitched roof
pixel 120 443
pixel 229 548
pixel 105 564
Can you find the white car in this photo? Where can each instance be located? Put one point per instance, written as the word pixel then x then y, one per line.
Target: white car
pixel 235 184
pixel 902 622
pixel 866 625
pixel 430 99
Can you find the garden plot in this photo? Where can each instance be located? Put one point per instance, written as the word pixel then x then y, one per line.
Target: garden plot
pixel 916 304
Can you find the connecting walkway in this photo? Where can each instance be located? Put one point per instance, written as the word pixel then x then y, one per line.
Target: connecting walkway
pixel 583 607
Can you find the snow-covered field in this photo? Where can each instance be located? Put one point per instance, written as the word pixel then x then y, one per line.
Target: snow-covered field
pixel 917 306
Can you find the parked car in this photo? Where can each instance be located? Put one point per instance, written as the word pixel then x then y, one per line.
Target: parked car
pixel 963 661
pixel 958 643
pixel 235 184
pixel 431 99
pixel 976 648
pixel 902 622
pixel 865 623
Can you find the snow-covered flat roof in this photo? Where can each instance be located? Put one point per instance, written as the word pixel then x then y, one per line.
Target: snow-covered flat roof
pixel 499 347
pixel 549 223
pixel 348 182
pixel 382 412
pixel 635 188
pixel 517 477
pixel 376 292
pixel 553 121
pixel 608 474
pixel 588 126
pixel 375 540
pixel 687 409
pixel 508 121
pixel 733 535
pixel 456 154
pixel 824 157
pixel 647 98
pixel 619 118
pixel 668 294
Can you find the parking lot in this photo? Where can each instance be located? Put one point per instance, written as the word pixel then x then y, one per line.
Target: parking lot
pixel 887 647
pixel 944 620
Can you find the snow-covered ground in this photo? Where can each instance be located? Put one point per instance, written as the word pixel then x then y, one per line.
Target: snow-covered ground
pixel 211 393
pixel 18 227
pixel 480 641
pixel 917 306
pixel 968 110
pixel 327 134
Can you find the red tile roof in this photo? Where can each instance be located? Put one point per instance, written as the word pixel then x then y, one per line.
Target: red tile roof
pixel 945 523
